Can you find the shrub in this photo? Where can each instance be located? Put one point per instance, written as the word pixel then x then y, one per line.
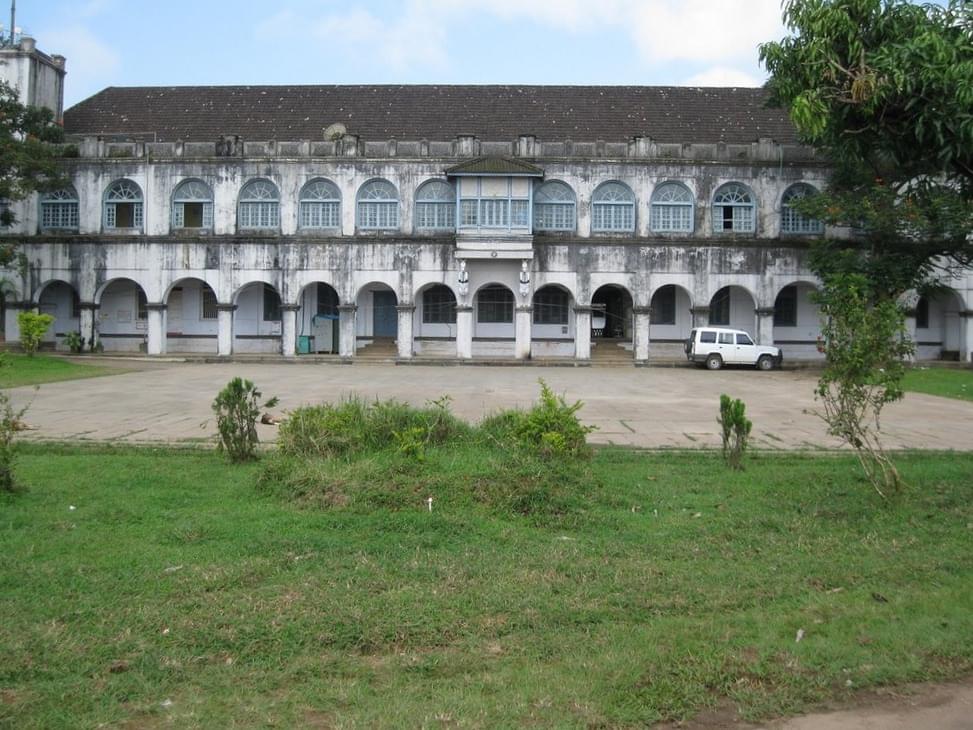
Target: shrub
pixel 549 429
pixel 237 410
pixel 736 430
pixel 32 328
pixel 73 341
pixel 10 423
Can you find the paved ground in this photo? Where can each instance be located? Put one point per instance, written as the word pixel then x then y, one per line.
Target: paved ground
pixel 645 407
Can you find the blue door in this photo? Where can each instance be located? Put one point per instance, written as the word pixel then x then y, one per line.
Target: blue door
pixel 385 318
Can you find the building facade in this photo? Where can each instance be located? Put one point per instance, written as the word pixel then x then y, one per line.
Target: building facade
pixel 455 222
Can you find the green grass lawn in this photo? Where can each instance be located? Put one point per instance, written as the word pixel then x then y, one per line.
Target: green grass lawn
pixel 947 382
pixel 23 370
pixel 142 588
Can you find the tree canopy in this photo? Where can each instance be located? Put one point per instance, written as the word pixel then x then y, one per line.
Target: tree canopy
pixel 885 87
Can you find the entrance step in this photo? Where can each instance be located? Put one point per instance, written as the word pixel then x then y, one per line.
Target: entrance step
pixel 380 349
pixel 610 351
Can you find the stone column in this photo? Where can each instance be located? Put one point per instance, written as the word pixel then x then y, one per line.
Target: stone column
pixel 157 328
pixel 464 332
pixel 87 324
pixel 643 316
pixel 582 333
pixel 765 326
pixel 224 337
pixel 966 336
pixel 346 329
pixel 522 317
pixel 700 316
pixel 406 314
pixel 910 330
pixel 288 329
pixel 11 326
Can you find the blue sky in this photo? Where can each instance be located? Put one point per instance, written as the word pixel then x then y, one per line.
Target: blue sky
pixel 179 42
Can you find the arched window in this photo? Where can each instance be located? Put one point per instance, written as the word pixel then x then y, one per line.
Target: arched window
pixel 613 208
pixel 378 206
pixel 495 305
pixel 123 205
pixel 551 305
pixel 438 305
pixel 192 205
pixel 320 205
pixel 672 208
pixel 59 209
pixel 436 206
pixel 554 207
pixel 734 209
pixel 793 221
pixel 259 205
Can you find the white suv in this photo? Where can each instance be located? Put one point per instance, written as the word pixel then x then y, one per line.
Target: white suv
pixel 718 346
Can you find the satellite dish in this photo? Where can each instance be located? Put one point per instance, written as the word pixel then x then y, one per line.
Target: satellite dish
pixel 335 132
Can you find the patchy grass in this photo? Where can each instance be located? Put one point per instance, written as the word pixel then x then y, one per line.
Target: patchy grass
pixel 23 370
pixel 176 593
pixel 945 382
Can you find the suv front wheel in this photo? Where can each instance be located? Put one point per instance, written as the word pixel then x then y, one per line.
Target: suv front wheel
pixel 714 362
pixel 766 362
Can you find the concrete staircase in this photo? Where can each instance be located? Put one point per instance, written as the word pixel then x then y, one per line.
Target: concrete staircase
pixel 608 352
pixel 381 349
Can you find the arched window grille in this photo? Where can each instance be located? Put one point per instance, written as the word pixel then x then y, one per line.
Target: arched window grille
pixel 672 209
pixel 59 209
pixel 613 208
pixel 123 205
pixel 554 207
pixel 438 305
pixel 551 305
pixel 436 206
pixel 259 205
pixel 793 221
pixel 192 205
pixel 378 206
pixel 320 205
pixel 495 305
pixel 734 210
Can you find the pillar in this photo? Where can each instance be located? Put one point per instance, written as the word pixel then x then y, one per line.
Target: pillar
pixel 406 314
pixel 910 331
pixel 11 326
pixel 288 329
pixel 966 333
pixel 582 333
pixel 224 337
pixel 765 326
pixel 346 329
pixel 464 332
pixel 700 316
pixel 157 328
pixel 643 316
pixel 88 325
pixel 522 317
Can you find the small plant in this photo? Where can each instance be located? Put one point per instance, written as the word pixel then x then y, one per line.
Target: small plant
pixel 10 423
pixel 74 341
pixel 237 410
pixel 550 429
pixel 736 430
pixel 32 328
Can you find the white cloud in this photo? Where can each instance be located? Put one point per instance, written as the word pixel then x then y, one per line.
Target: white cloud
pixel 722 76
pixel 91 64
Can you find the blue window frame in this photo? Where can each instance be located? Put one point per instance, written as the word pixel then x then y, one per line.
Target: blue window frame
pixel 613 208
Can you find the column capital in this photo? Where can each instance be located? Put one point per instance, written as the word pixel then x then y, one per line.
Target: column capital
pixel 15 304
pixel 405 307
pixel 156 306
pixel 348 308
pixel 463 308
pixel 642 310
pixel 225 307
pixel 966 314
pixel 764 311
pixel 289 307
pixel 583 309
pixel 527 308
pixel 89 305
pixel 699 310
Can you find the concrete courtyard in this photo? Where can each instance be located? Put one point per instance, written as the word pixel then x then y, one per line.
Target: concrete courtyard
pixel 647 407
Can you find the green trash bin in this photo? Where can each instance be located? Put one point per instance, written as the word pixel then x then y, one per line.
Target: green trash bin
pixel 304 345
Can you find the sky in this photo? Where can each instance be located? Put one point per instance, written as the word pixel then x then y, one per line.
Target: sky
pixel 183 42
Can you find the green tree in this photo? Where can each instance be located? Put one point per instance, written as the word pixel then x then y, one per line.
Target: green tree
pixel 29 157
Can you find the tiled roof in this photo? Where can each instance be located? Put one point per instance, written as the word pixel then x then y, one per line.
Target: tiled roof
pixel 668 114
pixel 496 166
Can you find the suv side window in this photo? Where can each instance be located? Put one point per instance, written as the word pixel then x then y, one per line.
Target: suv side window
pixel 705 336
pixel 726 338
pixel 744 340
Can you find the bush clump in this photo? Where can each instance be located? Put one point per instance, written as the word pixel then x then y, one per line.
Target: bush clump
pixel 355 426
pixel 550 429
pixel 237 409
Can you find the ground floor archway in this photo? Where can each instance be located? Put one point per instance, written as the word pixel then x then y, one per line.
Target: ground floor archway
pixel 192 317
pixel 122 316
